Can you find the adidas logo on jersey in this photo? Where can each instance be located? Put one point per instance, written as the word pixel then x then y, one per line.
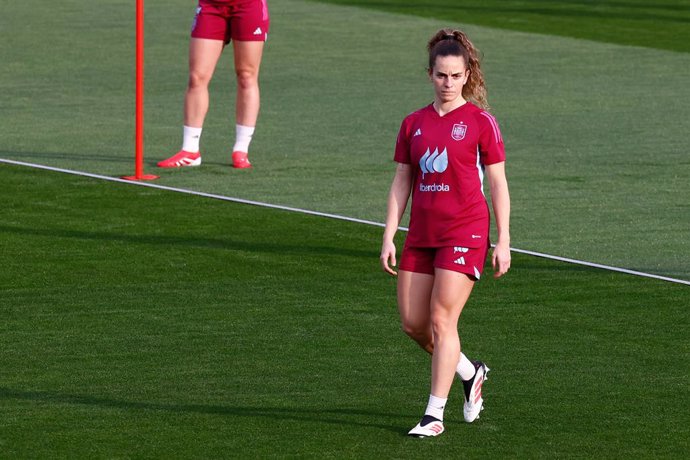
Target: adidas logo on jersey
pixel 417 133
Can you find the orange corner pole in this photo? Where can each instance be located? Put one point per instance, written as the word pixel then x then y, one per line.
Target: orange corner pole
pixel 139 100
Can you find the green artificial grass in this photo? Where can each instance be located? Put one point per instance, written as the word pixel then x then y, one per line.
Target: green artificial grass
pixel 595 133
pixel 141 323
pixel 662 25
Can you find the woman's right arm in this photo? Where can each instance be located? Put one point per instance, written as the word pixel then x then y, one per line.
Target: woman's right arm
pixel 397 202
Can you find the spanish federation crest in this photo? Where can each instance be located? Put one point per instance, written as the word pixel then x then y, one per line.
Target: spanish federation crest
pixel 459 130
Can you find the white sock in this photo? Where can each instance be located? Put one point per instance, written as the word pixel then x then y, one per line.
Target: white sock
pixel 190 139
pixel 435 407
pixel 465 368
pixel 243 136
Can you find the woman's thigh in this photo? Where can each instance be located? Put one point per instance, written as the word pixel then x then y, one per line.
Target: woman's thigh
pixel 414 296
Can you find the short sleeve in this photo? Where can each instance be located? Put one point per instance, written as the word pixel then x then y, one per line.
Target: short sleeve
pixel 491 146
pixel 402 145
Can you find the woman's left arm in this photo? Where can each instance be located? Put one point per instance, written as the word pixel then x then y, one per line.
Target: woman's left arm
pixel 500 198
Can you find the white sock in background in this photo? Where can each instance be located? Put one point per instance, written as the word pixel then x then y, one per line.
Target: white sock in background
pixel 465 368
pixel 190 139
pixel 243 136
pixel 435 407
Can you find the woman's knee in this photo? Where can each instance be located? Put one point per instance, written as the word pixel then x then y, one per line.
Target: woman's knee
pixel 443 322
pixel 247 78
pixel 417 332
pixel 198 80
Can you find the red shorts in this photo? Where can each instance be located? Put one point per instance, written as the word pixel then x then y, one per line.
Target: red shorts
pixel 241 20
pixel 469 261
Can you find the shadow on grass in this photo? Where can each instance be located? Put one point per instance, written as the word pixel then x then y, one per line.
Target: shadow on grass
pixel 624 11
pixel 335 416
pixel 82 157
pixel 198 243
pixel 152 162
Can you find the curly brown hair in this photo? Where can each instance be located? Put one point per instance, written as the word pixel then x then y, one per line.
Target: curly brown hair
pixel 451 42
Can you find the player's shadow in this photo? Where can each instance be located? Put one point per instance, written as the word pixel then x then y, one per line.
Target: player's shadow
pixel 225 243
pixel 91 157
pixel 335 416
pixel 153 163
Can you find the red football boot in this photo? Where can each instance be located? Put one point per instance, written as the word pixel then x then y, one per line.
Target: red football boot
pixel 240 161
pixel 180 159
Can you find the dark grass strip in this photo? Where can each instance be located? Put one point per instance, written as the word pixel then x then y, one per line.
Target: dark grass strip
pixel 662 25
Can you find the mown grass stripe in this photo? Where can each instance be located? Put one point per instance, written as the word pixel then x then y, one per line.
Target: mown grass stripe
pixel 328 215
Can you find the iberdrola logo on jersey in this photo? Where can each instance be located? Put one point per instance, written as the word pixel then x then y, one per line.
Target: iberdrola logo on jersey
pixel 433 162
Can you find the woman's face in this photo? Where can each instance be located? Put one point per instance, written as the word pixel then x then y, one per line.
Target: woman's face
pixel 448 76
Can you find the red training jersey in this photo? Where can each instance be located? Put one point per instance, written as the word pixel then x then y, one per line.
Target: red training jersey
pixel 448 154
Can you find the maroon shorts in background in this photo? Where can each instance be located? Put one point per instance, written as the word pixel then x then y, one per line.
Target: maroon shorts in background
pixel 241 20
pixel 461 259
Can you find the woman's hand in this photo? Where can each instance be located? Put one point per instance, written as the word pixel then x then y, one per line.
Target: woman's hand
pixel 388 257
pixel 500 259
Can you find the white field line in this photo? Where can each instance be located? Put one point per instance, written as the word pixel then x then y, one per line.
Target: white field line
pixel 323 214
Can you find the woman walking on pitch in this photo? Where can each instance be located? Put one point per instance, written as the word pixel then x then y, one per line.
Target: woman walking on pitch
pixel 217 22
pixel 442 152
